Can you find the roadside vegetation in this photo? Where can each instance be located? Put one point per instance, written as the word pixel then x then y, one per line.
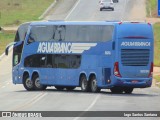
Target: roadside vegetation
pixel 152 12
pixel 157 77
pixel 157 49
pixel 151 8
pixel 15 12
pixel 5 38
pixel 157 44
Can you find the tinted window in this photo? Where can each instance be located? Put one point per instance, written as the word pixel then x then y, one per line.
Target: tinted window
pixel 53 61
pixel 74 33
pixel 133 31
pixel 17 51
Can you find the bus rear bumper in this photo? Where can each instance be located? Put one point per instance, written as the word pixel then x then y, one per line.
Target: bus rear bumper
pixel 133 82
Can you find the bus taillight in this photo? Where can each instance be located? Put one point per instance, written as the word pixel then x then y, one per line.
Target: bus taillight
pixel 151 70
pixel 116 69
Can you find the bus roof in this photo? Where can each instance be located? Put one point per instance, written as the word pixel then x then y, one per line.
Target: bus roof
pixel 60 22
pixel 73 23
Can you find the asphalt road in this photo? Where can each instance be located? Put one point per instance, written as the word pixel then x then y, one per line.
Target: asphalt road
pixel 16 98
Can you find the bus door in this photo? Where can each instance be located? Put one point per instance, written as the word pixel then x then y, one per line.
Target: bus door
pixel 17 52
pixel 135 51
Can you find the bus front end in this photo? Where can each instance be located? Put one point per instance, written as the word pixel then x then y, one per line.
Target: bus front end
pixel 133 66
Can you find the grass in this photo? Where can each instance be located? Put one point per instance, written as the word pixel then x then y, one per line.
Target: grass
pixel 157 77
pixel 5 38
pixel 151 8
pixel 15 12
pixel 157 44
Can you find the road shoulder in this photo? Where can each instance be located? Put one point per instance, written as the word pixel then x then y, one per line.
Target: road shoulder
pixel 61 9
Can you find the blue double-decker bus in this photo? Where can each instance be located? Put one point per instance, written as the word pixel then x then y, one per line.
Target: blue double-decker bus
pixel 91 55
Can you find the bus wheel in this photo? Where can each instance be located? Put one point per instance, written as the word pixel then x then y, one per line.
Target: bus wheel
pixel 116 90
pixel 27 83
pixel 59 87
pixel 37 84
pixel 70 88
pixel 84 83
pixel 93 85
pixel 128 90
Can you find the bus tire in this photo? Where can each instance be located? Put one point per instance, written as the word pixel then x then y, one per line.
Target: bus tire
pixel 60 88
pixel 116 90
pixel 93 85
pixel 128 90
pixel 36 83
pixel 27 83
pixel 84 83
pixel 70 88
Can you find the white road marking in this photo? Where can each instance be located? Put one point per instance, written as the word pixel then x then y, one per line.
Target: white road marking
pixel 92 104
pixel 30 102
pixel 89 107
pixel 72 10
pixel 39 98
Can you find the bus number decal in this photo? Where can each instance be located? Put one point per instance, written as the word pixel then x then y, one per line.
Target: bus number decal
pixel 107 53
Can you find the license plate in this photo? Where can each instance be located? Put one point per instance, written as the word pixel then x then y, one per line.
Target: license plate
pixel 134 81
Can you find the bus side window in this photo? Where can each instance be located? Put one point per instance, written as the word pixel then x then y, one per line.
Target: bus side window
pixel 49 61
pixel 15 60
pixel 42 61
pixel 17 37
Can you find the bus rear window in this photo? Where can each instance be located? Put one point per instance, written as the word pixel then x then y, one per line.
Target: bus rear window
pixel 135 31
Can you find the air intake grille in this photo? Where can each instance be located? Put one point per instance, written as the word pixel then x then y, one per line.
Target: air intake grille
pixel 135 57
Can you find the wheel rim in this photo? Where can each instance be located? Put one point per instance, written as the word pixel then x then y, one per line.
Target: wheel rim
pixel 37 83
pixel 84 84
pixel 29 83
pixel 94 85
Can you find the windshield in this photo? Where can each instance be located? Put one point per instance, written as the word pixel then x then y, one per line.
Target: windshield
pixel 21 32
pixel 86 33
pixel 106 0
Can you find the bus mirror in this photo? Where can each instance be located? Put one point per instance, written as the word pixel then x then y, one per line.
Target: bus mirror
pixel 8 46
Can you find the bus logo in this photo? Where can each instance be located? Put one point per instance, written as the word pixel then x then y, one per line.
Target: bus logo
pixel 135 44
pixel 49 47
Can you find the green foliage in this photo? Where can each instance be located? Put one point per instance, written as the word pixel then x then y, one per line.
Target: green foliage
pixel 151 8
pixel 15 12
pixel 157 77
pixel 5 38
pixel 157 44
